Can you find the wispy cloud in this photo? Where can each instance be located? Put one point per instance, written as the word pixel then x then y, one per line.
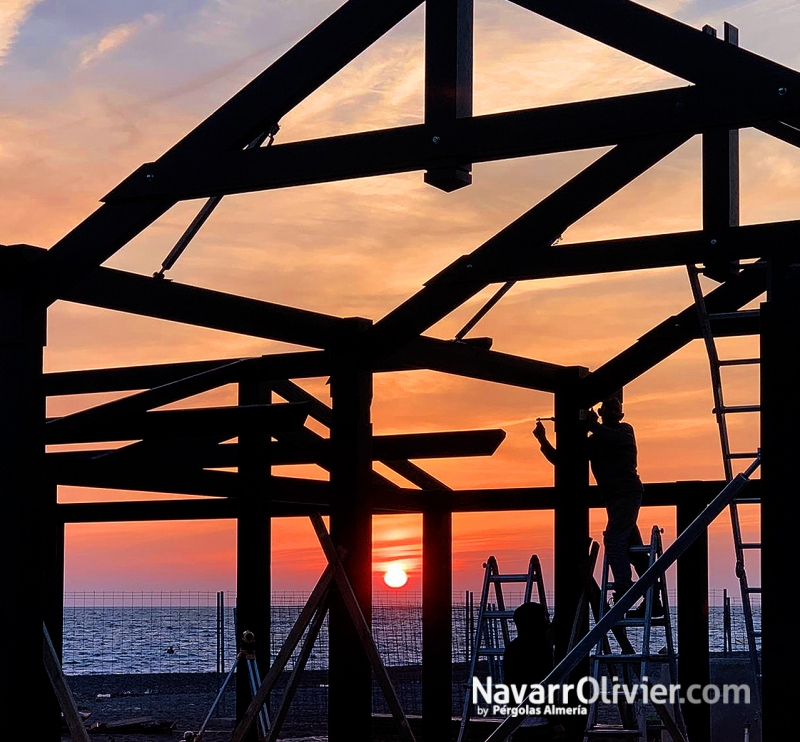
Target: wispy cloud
pixel 12 15
pixel 115 38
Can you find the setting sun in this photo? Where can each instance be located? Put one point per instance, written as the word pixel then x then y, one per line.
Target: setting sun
pixel 395 576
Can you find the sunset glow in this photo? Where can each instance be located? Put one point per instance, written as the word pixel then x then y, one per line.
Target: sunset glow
pixel 92 92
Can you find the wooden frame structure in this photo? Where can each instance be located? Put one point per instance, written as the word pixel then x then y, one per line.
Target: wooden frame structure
pixel 730 89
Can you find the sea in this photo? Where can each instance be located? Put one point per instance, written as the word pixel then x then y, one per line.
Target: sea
pixel 165 634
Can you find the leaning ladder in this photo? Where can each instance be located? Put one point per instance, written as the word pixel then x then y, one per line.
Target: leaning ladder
pixel 721 410
pixel 632 665
pixel 671 555
pixel 492 634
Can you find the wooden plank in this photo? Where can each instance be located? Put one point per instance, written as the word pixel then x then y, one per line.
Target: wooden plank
pixel 62 690
pixel 315 600
pixel 351 602
pixel 297 671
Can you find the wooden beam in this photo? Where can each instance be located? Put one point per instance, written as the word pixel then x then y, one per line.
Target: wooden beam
pixel 716 243
pixel 537 229
pixel 657 494
pixel 303 364
pixel 355 26
pixel 161 299
pixel 668 44
pixel 226 422
pixel 669 336
pixel 565 127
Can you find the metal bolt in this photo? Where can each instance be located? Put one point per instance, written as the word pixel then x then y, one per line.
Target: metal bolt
pixel 782 91
pixel 150 176
pixel 713 242
pixel 469 265
pixel 436 140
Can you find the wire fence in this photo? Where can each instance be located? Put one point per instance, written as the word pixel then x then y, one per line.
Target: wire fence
pixel 114 632
pixel 162 653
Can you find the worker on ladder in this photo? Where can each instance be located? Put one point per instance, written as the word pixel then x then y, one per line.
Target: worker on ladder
pixel 613 457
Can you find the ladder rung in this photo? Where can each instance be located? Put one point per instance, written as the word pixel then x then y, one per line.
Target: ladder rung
pixel 498 614
pixel 743 455
pixel 737 408
pixel 491 651
pixel 747 500
pixel 612 732
pixel 617 658
pixel 508 578
pixel 739 361
pixel 755 590
pixel 660 621
pixel 751 545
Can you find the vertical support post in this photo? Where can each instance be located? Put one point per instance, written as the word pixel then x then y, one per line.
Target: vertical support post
pixel 350 674
pixel 27 507
pixel 721 178
pixel 448 81
pixel 53 594
pixel 253 544
pixel 693 644
pixel 437 624
pixel 571 512
pixel 780 508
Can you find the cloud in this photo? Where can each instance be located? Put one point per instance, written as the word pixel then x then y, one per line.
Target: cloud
pixel 115 38
pixel 13 14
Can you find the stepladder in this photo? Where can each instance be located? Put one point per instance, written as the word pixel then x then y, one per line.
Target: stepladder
pixel 631 661
pixel 493 627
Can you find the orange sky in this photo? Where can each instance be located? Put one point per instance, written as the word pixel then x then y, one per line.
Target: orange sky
pixel 90 93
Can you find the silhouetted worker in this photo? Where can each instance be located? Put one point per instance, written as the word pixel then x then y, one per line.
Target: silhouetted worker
pixel 612 454
pixel 528 658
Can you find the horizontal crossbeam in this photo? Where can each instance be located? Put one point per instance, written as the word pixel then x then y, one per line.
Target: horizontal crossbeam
pixel 560 128
pixel 637 253
pixel 225 422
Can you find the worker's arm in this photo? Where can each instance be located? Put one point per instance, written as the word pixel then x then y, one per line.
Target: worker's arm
pixel 545 446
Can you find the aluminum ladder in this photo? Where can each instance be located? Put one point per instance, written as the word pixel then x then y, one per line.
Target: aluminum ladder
pixel 721 410
pixel 632 666
pixel 492 634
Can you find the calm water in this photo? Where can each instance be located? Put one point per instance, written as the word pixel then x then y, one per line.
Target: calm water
pixel 163 638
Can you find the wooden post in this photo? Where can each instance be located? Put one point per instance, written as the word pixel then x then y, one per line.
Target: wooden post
pixel 437 624
pixel 780 508
pixel 693 644
pixel 448 81
pixel 27 509
pixel 721 178
pixel 571 522
pixel 253 545
pixel 350 675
